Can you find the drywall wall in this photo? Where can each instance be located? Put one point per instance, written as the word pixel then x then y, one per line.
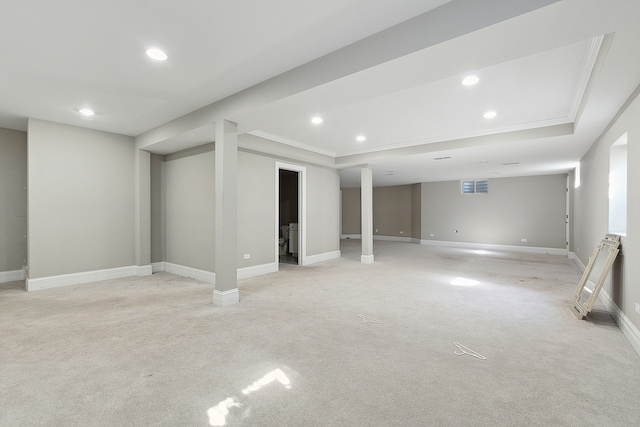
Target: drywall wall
pixel 81 200
pixel 392 208
pixel 392 211
pixel 531 208
pixel 256 210
pixel 190 208
pixel 323 210
pixel 13 200
pixel 183 202
pixel 158 212
pixel 416 211
pixel 591 210
pixel 351 211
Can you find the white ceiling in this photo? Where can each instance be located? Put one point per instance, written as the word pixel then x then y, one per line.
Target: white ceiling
pixel 556 72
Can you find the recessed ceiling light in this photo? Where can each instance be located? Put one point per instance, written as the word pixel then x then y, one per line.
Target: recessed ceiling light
pixel 156 54
pixel 361 138
pixel 88 112
pixel 316 120
pixel 489 114
pixel 470 80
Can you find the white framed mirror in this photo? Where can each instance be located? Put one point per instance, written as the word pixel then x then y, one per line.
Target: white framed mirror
pixel 595 275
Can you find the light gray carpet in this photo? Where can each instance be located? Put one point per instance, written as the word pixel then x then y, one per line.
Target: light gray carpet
pixel 155 351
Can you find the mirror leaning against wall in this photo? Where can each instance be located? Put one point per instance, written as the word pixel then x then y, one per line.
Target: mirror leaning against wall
pixel 595 274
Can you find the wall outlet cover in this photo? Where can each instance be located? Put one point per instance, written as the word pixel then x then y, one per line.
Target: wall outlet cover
pixel 247 256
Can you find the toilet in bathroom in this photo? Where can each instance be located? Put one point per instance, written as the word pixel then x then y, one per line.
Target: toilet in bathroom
pixel 283 241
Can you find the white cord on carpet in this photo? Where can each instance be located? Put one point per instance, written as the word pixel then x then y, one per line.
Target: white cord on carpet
pixel 467 350
pixel 367 319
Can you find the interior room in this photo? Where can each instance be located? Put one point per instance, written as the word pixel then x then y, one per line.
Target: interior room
pixel 284 214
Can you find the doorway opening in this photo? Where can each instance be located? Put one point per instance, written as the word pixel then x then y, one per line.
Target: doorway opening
pixel 288 216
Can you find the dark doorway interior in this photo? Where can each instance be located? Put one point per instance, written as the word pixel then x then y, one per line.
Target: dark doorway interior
pixel 288 217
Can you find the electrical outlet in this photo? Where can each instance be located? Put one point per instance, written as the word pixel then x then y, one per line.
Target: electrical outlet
pixel 523 240
pixel 376 230
pixel 432 235
pixel 402 232
pixel 247 256
pixel 637 308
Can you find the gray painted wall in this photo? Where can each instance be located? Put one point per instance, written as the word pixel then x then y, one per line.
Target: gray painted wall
pixel 392 211
pixel 351 215
pixel 158 211
pixel 416 211
pixel 392 208
pixel 81 199
pixel 190 207
pixel 591 211
pixel 13 200
pixel 323 210
pixel 182 200
pixel 532 208
pixel 256 210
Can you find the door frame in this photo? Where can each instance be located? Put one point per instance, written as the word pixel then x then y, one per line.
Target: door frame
pixel 302 211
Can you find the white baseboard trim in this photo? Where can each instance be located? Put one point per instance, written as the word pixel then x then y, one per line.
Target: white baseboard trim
pixel 194 273
pixel 366 259
pixel 579 263
pixel 226 298
pixel 257 270
pixel 414 240
pixel 628 329
pixel 392 238
pixel 209 276
pixel 488 246
pixel 314 259
pixel 380 237
pixel 157 267
pixel 39 283
pixel 144 270
pixel 350 236
pixel 11 276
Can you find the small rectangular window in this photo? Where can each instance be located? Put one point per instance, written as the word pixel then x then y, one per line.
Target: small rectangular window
pixel 482 186
pixel 471 187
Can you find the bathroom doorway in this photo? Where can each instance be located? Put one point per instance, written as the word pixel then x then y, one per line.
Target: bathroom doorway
pixel 288 216
pixel 290 207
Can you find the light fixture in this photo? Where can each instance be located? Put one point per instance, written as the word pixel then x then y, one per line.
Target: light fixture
pixel 87 112
pixel 361 138
pixel 470 80
pixel 156 54
pixel 316 120
pixel 489 114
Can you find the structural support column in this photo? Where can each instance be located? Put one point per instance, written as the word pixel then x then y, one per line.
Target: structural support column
pixel 366 194
pixel 142 212
pixel 226 214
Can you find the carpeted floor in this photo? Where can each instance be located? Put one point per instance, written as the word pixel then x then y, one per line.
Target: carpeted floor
pixel 333 344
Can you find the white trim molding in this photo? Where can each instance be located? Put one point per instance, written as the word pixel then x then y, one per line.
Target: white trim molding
pixel 157 267
pixel 628 329
pixel 194 273
pixel 626 326
pixel 486 246
pixel 381 237
pixel 39 283
pixel 144 270
pixel 226 298
pixel 327 256
pixel 366 259
pixel 257 270
pixel 11 276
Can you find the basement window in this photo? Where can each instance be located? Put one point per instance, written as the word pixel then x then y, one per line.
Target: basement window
pixel 472 187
